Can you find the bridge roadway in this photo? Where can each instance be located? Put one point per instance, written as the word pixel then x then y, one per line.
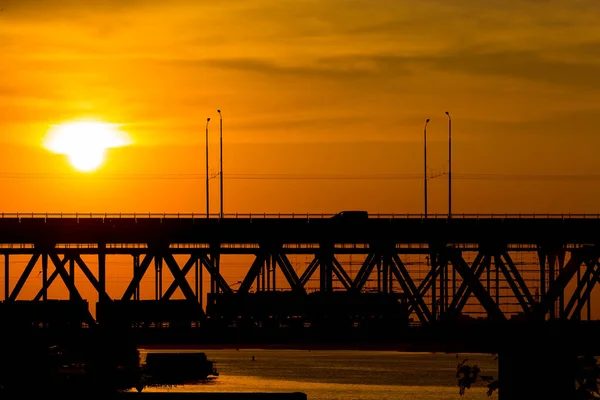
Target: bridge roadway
pixel 299 229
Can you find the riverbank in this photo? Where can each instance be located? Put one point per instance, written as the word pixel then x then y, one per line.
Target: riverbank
pixel 441 348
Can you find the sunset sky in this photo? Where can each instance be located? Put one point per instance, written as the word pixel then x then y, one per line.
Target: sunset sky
pixel 308 88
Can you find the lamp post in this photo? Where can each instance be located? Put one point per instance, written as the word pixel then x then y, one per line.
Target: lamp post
pixel 221 157
pixel 425 164
pixel 207 177
pixel 449 165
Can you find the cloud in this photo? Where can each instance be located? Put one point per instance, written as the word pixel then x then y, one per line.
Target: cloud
pixel 393 60
pixel 49 9
pixel 574 125
pixel 336 68
pixel 574 71
pixel 521 65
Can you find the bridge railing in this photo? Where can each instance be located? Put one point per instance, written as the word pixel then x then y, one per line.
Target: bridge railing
pixel 92 215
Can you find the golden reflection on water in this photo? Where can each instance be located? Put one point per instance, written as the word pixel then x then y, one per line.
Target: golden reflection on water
pixel 343 375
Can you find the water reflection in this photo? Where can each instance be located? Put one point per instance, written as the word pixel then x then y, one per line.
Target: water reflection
pixel 326 375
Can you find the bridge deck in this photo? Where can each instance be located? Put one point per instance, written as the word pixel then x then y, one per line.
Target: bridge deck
pixel 90 228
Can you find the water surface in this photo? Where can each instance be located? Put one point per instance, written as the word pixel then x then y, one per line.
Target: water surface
pixel 341 374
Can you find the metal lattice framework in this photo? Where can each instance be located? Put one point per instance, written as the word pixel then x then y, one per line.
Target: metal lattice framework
pixel 496 267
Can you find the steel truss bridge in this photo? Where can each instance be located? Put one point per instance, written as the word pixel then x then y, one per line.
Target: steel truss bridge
pixel 519 285
pixel 496 267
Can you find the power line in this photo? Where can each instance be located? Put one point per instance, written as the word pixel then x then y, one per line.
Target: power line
pixel 314 177
pixel 529 177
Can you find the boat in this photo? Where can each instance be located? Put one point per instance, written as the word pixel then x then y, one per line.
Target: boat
pixel 176 368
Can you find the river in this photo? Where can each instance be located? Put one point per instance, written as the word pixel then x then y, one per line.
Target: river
pixel 341 374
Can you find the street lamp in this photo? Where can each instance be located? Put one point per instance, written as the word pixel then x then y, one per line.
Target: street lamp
pixel 207 178
pixel 425 163
pixel 449 165
pixel 221 157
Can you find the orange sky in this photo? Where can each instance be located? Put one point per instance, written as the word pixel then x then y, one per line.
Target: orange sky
pixel 313 87
pixel 307 88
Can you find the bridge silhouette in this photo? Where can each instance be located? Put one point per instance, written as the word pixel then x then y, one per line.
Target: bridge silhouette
pixel 516 284
pixel 465 259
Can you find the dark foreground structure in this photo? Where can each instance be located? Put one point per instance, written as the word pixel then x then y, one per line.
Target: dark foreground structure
pixel 100 364
pixel 43 363
pixel 519 285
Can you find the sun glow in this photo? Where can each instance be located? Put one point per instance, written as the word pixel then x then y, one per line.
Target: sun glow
pixel 85 142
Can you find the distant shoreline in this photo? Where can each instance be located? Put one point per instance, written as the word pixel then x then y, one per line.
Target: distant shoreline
pixel 303 346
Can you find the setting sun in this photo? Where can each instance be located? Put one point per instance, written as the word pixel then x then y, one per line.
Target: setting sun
pixel 85 142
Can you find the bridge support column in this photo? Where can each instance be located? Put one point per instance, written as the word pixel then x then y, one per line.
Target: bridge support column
pixel 6 276
pixel 198 267
pixel 378 263
pixel 136 267
pixel 102 295
pixel 534 368
pixel 45 276
pixel 265 274
pixel 325 256
pixel 72 295
pixel 273 273
pixel 215 257
pixel 535 375
pixel 158 292
pixel 434 299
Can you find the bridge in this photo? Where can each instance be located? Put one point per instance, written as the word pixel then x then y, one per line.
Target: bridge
pixel 500 266
pixel 375 279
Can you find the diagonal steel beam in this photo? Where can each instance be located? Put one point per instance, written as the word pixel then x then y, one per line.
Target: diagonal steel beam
pixel 67 279
pixel 485 265
pixel 430 277
pixel 404 279
pixel 513 285
pixel 69 282
pixel 478 265
pixel 212 270
pixel 339 276
pixel 427 282
pixel 51 279
pixel 289 272
pixel 137 276
pixel 252 273
pixel 179 277
pixel 595 278
pixel 23 278
pixel 576 296
pixel 341 273
pixel 364 272
pixel 474 284
pixel 519 279
pixel 184 271
pixel 562 280
pixel 91 277
pixel 310 270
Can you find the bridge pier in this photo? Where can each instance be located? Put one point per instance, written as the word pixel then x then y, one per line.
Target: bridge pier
pixel 527 374
pixel 537 364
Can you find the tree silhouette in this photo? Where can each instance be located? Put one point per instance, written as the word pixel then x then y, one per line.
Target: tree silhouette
pixel 467 375
pixel 587 378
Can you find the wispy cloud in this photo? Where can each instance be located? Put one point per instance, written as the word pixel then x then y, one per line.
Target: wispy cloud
pixel 393 60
